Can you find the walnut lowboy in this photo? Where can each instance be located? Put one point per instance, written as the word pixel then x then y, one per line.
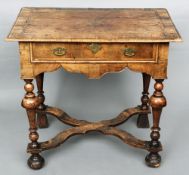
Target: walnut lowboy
pixel 93 42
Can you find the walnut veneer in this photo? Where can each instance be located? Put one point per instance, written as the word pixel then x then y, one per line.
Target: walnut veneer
pixel 93 42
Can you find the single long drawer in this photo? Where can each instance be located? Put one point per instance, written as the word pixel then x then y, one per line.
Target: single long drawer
pixel 93 52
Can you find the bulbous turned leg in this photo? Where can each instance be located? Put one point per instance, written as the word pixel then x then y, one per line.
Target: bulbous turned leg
pixel 157 102
pixel 142 121
pixel 30 102
pixel 42 120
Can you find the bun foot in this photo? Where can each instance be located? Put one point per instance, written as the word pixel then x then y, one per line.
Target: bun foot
pixel 153 160
pixel 142 121
pixel 36 161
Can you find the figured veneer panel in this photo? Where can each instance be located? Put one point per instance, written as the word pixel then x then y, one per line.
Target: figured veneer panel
pixel 94 25
pixel 81 53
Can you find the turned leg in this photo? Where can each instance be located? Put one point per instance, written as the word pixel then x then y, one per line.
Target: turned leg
pixel 157 102
pixel 30 102
pixel 42 120
pixel 142 121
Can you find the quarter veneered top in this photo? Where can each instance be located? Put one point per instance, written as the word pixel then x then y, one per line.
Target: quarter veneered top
pixel 93 25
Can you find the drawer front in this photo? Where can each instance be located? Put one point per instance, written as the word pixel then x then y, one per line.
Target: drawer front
pixel 93 52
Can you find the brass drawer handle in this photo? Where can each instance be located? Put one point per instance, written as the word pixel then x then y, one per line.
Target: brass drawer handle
pixel 59 51
pixel 129 52
pixel 94 47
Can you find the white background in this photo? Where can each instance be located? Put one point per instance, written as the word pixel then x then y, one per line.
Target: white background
pixel 94 154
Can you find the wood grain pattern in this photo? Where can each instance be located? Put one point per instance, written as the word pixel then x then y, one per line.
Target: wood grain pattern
pixel 30 102
pixel 142 121
pixel 157 102
pixel 94 25
pixel 42 120
pixel 121 118
pixel 53 38
pixel 123 135
pixel 81 53
pixel 92 70
pixel 106 127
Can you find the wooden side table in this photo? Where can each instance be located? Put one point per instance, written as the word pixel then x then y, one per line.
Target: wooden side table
pixel 93 42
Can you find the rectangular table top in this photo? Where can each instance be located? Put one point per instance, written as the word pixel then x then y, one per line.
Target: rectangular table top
pixel 93 25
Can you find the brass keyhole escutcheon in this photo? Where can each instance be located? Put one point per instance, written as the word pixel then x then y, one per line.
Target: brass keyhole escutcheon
pixel 94 47
pixel 59 51
pixel 129 52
